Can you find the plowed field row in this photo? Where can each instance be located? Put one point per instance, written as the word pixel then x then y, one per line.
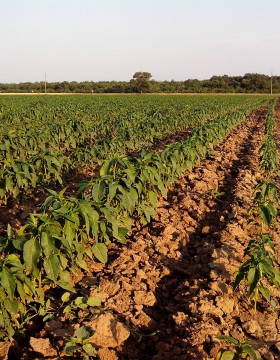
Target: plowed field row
pixel 175 276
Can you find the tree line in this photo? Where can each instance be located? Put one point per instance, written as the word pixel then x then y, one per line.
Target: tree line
pixel 142 82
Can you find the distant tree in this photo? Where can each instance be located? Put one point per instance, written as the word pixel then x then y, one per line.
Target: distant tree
pixel 256 82
pixel 193 86
pixel 141 82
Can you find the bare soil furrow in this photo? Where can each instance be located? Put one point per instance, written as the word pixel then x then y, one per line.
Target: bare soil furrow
pixel 191 238
pixel 174 278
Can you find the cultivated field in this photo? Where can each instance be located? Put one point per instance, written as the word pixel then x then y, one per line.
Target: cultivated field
pixel 139 227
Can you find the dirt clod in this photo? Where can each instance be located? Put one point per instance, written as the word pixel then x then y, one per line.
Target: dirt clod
pixel 108 332
pixel 43 347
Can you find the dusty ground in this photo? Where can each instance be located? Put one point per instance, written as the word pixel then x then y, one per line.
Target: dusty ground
pixel 171 287
pixel 175 276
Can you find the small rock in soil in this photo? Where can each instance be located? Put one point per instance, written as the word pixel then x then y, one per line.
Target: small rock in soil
pixel 145 322
pixel 43 346
pixel 144 298
pixel 253 328
pixel 107 354
pixel 4 349
pixel 108 332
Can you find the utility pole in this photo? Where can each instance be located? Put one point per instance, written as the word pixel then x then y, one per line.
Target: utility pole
pixel 45 83
pixel 271 78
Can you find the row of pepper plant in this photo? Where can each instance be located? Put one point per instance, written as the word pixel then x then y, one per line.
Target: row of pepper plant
pixel 260 271
pixel 69 231
pixel 42 140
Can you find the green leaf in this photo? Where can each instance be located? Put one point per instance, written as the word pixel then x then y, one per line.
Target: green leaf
pixel 90 216
pixel 229 338
pixel 65 281
pixel 81 263
pixel 267 267
pixel 254 354
pixel 63 210
pixel 119 232
pixel 67 309
pixel 70 347
pixel 265 292
pixel 69 233
pixel 80 300
pixel 253 278
pixel 101 191
pixel 94 301
pixel 19 241
pixel 31 254
pixel 11 306
pixel 51 266
pixel 239 277
pixel 112 190
pixel 22 293
pixel 100 251
pixel 162 189
pixel 10 232
pixel 98 191
pixel 265 214
pixel 153 198
pixel 89 349
pixel 104 170
pixel 226 355
pixel 8 281
pixel 9 184
pixel 83 332
pixel 272 209
pixel 47 243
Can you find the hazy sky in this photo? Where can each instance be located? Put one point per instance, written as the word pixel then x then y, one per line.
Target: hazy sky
pixel 111 39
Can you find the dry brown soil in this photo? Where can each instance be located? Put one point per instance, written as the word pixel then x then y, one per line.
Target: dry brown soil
pixel 176 275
